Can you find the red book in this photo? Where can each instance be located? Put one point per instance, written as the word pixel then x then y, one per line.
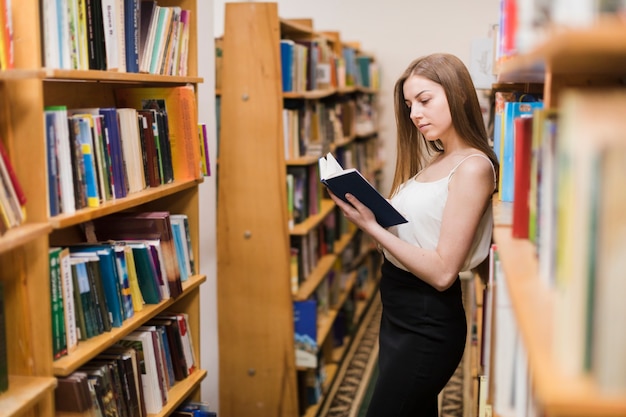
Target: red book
pixel 523 128
pixel 21 197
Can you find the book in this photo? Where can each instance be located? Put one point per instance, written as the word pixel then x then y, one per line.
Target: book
pixel 59 128
pixel 305 332
pixel 512 110
pixel 608 342
pixel 109 275
pixel 175 342
pixel 341 181
pixel 72 394
pixel 69 308
pixel 128 360
pixel 144 226
pixel 126 261
pixel 523 128
pixel 142 342
pixel 125 358
pixel 59 340
pixel 179 103
pixel 146 273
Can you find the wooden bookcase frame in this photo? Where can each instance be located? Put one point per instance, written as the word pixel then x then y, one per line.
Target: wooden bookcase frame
pixel 258 373
pixel 24 91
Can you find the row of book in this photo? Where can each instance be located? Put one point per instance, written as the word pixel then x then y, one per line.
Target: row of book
pixel 12 196
pixel 134 259
pixel 568 201
pixel 100 154
pixel 510 379
pixel 133 377
pixel 524 25
pixel 115 35
pixel 310 128
pixel 311 64
pixel 509 107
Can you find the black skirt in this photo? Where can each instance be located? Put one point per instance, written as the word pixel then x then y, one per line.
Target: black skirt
pixel 421 343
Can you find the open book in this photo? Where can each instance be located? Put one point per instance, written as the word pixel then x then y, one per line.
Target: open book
pixel 341 181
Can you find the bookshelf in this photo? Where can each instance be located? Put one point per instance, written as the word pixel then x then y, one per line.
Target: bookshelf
pixel 258 371
pixel 24 91
pixel 583 59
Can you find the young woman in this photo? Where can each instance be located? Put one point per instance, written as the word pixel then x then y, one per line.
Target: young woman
pixel 445 176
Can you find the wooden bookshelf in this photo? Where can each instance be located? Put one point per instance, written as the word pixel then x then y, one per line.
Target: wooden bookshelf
pixel 24 92
pixel 255 301
pixel 584 58
pixel 594 56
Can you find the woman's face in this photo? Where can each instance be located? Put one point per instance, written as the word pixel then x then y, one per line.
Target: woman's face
pixel 430 112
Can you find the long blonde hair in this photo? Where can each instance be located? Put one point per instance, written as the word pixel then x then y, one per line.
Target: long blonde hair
pixel 448 71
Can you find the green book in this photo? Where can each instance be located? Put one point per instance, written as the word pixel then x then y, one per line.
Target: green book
pixel 59 340
pixel 81 325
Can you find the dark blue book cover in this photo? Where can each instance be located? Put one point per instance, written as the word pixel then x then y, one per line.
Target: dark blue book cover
pixel 286 64
pixel 112 132
pixel 305 324
pixel 131 34
pixel 341 181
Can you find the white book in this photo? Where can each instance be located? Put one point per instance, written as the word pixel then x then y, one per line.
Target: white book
pixel 69 309
pixel 131 148
pixel 111 34
pixel 143 343
pixel 66 179
pixel 50 34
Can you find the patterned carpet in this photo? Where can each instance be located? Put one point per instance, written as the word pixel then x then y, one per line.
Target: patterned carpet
pixel 349 393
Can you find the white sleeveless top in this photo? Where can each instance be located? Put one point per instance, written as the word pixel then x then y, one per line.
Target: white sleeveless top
pixel 422 203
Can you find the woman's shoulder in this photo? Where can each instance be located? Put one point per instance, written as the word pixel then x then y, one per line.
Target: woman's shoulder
pixel 475 164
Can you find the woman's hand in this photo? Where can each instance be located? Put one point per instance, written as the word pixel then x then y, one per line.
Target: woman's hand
pixel 356 211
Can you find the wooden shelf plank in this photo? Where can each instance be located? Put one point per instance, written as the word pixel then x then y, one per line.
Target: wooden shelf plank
pixel 89 348
pixel 180 392
pixel 132 200
pixel 111 76
pixel 325 322
pixel 23 234
pixel 302 229
pixel 314 279
pixel 572 51
pixel 310 94
pixel 25 392
pixel 533 305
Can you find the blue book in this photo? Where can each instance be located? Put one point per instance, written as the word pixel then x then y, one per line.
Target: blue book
pixel 110 279
pixel 113 138
pixel 122 271
pixel 341 181
pixel 180 251
pixel 305 324
pixel 131 34
pixel 287 63
pixel 512 110
pixel 83 125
